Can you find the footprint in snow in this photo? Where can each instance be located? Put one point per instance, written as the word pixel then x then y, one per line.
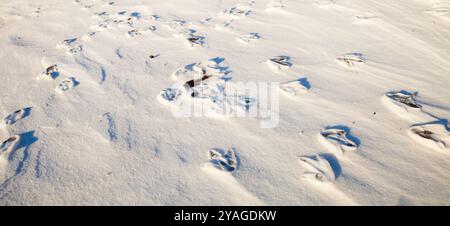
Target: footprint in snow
pixel 228 25
pixel 201 80
pixel 51 72
pixel 323 168
pixel 403 104
pixel 108 4
pixel 224 160
pixel 182 31
pixel 237 11
pixel 338 139
pixel 296 87
pixel 198 70
pixel 101 15
pixel 88 36
pixel 16 116
pixel 102 26
pixel 134 33
pixel 221 167
pixel 404 99
pixel 170 94
pixel 351 59
pixel 251 37
pixel 12 162
pixel 279 63
pixel 195 40
pixel 7 146
pixel 206 88
pixel 432 135
pixel 204 84
pixel 72 46
pixel 67 84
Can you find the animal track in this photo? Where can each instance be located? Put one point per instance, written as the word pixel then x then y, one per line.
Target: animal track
pixel 237 11
pixel 201 69
pixel 338 140
pixel 279 63
pixel 17 115
pixel 134 33
pixel 12 162
pixel 195 40
pixel 6 148
pixel 88 36
pixel 318 168
pixel 71 45
pixel 404 104
pixel 179 26
pixel 249 38
pixel 205 86
pixel 51 72
pixel 202 81
pixel 138 32
pixel 432 135
pixel 225 26
pixel 170 94
pixel 9 145
pixel 223 160
pixel 294 88
pixel 351 59
pixel 405 99
pixel 67 84
pixel 111 126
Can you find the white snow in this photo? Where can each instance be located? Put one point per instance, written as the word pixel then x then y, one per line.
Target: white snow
pixel 96 129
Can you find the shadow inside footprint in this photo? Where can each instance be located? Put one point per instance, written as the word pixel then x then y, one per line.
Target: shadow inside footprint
pixel 52 72
pixel 18 115
pixel 334 163
pixel 347 133
pixel 321 167
pixel 304 82
pixel 440 121
pixel 218 60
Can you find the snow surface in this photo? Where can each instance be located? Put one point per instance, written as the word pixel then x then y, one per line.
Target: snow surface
pixel 95 131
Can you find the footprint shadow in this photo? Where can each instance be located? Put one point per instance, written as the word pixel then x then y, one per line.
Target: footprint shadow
pixel 439 121
pixel 54 75
pixel 334 163
pixel 218 61
pixel 304 82
pixel 27 112
pixel 26 140
pixel 346 129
